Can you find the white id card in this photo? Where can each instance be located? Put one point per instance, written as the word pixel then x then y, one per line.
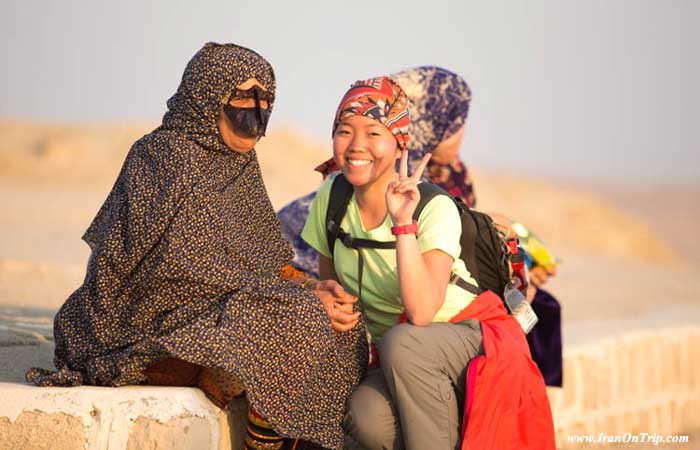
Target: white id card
pixel 520 308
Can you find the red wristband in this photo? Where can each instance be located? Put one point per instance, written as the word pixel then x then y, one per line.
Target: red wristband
pixel 405 229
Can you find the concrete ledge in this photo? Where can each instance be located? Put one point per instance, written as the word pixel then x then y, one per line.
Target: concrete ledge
pixel 99 418
pixel 645 381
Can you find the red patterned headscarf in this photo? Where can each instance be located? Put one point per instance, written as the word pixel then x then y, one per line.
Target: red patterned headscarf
pixel 380 99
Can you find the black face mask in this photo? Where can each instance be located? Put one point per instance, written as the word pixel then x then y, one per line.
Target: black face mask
pixel 248 122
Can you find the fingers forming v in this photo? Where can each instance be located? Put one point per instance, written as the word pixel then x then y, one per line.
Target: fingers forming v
pixel 405 186
pixel 421 167
pixel 403 165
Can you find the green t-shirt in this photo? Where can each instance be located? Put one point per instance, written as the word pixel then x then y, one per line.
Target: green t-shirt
pixel 439 228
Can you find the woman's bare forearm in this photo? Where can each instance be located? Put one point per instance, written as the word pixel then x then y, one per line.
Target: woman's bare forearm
pixel 423 279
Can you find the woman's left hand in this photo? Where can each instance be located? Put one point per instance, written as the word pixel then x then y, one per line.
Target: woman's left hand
pixel 402 195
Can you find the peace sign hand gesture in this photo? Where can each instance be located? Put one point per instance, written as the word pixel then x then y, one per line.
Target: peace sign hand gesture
pixel 402 194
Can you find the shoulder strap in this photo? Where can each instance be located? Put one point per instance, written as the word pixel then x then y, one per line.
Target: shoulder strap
pixel 341 193
pixel 427 191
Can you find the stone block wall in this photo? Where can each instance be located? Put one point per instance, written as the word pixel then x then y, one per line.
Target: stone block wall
pixel 642 382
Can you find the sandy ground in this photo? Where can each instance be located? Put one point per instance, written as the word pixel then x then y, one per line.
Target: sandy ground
pixel 631 254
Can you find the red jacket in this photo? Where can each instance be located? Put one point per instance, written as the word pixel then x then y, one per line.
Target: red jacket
pixel 506 405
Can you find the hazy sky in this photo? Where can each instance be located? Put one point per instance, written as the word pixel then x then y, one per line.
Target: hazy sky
pixel 605 89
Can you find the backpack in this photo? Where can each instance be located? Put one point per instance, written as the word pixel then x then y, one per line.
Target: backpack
pixel 484 249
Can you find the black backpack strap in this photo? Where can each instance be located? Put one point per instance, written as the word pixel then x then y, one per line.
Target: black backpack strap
pixel 464 284
pixel 470 231
pixel 358 244
pixel 341 193
pixel 429 191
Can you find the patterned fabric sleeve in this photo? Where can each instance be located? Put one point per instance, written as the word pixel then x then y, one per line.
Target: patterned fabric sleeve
pixel 455 179
pixel 292 219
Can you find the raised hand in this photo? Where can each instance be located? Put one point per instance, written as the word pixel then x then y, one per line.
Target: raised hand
pixel 402 194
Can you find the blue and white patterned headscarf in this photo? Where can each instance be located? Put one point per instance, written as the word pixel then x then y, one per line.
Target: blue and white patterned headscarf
pixel 438 107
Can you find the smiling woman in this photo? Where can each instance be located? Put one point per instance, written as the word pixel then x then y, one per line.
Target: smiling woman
pixel 366 152
pixel 426 331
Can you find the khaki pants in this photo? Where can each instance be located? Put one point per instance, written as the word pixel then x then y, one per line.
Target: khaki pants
pixel 415 400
